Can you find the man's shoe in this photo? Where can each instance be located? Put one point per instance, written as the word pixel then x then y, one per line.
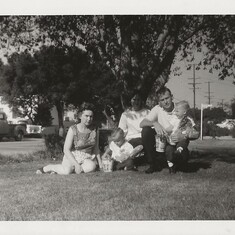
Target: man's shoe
pixel 40 171
pixel 150 170
pixel 172 170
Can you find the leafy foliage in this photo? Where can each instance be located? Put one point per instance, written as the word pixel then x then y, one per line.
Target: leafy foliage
pixel 139 49
pixel 42 115
pixel 19 80
pixel 215 115
pixel 54 145
pixel 51 76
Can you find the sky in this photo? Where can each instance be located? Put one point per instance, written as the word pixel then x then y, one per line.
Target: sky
pixel 221 90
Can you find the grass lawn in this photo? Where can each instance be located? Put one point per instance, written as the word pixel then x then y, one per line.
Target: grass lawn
pixel 205 192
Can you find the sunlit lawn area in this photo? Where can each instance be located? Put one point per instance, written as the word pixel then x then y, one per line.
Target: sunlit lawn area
pixel 205 192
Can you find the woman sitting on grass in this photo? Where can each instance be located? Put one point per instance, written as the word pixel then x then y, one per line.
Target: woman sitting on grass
pixel 80 148
pixel 123 152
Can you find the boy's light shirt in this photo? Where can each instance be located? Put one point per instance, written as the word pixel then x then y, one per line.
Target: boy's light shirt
pixel 121 153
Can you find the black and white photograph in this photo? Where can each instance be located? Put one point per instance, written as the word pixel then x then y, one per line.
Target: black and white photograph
pixel 117 120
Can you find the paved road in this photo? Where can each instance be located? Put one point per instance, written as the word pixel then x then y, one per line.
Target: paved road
pixel 27 145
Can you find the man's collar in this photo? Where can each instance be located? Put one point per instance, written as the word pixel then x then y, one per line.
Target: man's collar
pixel 170 112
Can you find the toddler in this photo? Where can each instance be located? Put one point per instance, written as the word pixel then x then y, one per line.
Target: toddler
pixel 123 152
pixel 185 125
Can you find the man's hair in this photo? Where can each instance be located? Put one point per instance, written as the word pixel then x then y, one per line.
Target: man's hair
pixel 184 104
pixel 162 91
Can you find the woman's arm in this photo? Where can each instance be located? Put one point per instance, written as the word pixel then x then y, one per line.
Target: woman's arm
pixel 123 123
pixel 109 119
pixel 97 150
pixel 68 146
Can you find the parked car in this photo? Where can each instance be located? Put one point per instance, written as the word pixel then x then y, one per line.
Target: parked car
pixel 49 130
pixel 30 128
pixel 228 123
pixel 16 131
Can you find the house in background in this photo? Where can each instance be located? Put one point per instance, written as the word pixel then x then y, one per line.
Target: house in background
pixel 11 116
pixel 69 115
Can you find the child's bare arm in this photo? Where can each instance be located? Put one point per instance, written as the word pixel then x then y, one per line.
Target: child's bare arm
pixel 107 151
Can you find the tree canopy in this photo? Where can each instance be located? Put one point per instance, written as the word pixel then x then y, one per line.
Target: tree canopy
pixel 138 49
pixel 54 77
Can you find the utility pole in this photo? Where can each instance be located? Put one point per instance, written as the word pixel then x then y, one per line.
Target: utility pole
pixel 209 93
pixel 222 103
pixel 194 83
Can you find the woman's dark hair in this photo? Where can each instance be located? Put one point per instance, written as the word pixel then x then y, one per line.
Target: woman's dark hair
pixel 139 93
pixel 87 106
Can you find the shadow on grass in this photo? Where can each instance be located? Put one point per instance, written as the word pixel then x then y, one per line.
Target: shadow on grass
pixel 194 166
pixel 203 160
pixel 200 160
pixel 222 156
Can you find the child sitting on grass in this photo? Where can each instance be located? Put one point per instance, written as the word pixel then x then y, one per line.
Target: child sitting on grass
pixel 186 126
pixel 123 152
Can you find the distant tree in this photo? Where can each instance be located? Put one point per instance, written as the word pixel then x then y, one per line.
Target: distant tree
pixel 63 76
pixel 19 81
pixel 53 75
pixel 42 115
pixel 56 77
pixel 216 115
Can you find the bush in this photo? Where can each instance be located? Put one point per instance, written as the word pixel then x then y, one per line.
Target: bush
pixel 54 145
pixel 222 132
pixel 233 132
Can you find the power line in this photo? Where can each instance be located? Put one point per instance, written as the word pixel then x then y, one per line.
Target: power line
pixel 209 93
pixel 221 104
pixel 194 83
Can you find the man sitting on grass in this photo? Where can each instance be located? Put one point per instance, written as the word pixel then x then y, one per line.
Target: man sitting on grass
pixel 160 121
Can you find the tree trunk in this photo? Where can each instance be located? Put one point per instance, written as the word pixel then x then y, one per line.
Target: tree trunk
pixel 60 110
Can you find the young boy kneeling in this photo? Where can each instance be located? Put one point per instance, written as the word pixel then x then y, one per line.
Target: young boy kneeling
pixel 123 152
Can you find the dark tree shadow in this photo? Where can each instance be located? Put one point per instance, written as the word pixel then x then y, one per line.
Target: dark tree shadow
pixel 199 160
pixel 204 160
pixel 191 167
pixel 222 155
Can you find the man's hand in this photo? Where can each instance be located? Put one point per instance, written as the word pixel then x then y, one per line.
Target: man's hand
pixel 177 136
pixel 159 130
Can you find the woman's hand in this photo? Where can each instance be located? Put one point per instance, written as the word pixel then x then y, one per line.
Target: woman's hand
pixel 78 169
